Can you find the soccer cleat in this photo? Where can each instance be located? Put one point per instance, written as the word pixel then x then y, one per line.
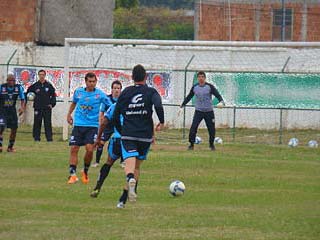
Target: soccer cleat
pixel 120 205
pixel 95 193
pixel 95 165
pixel 212 147
pixel 84 177
pixel 73 179
pixel 11 149
pixel 190 147
pixel 132 196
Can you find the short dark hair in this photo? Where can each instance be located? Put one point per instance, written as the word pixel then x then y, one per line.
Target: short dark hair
pixel 42 71
pixel 138 73
pixel 90 75
pixel 116 82
pixel 201 73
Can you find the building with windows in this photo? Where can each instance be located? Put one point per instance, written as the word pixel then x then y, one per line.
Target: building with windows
pixel 257 20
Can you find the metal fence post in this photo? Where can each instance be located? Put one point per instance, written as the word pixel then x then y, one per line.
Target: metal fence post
pixel 184 96
pixel 280 127
pixel 234 124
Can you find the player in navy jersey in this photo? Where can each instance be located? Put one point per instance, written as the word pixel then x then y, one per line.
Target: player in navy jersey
pixel 135 105
pixel 86 103
pixel 9 93
pixel 203 92
pixel 114 150
pixel 116 87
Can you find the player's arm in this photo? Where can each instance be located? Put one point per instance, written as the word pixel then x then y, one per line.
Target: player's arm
pixel 102 127
pixel 156 100
pixel 188 98
pixel 53 97
pixel 116 116
pixel 215 93
pixel 23 101
pixel 69 116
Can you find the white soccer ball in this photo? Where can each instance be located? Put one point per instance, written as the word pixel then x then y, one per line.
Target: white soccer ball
pixel 31 96
pixel 313 144
pixel 198 140
pixel 177 188
pixel 293 142
pixel 218 140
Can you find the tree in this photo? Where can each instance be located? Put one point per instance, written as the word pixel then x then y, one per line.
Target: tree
pixel 127 4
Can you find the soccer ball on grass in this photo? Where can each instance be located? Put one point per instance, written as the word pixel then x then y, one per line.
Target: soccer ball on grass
pixel 177 188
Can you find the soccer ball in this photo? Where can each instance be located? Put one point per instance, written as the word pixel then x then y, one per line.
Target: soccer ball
pixel 177 188
pixel 31 96
pixel 313 144
pixel 198 140
pixel 293 142
pixel 218 140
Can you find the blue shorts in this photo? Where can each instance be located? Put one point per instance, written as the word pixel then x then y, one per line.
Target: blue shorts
pixel 81 136
pixel 138 149
pixel 114 148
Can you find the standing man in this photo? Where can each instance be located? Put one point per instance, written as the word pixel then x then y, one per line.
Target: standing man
pixel 204 110
pixel 45 100
pixel 116 87
pixel 135 106
pixel 86 103
pixel 9 94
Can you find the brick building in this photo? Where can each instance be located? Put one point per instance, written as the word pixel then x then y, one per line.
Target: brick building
pixel 50 21
pixel 257 20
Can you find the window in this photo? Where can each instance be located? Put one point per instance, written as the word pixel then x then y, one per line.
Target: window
pixel 277 24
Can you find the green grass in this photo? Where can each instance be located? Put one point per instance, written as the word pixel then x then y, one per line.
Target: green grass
pixel 241 191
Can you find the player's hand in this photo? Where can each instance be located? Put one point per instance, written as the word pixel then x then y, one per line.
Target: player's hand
pixel 221 104
pixel 181 106
pixel 70 119
pixel 50 106
pixel 20 111
pixel 98 143
pixel 159 127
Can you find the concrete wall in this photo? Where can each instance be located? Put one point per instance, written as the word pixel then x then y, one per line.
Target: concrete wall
pixel 82 18
pixel 172 59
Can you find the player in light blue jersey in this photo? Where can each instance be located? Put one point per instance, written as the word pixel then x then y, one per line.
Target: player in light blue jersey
pixel 114 152
pixel 86 103
pixel 116 87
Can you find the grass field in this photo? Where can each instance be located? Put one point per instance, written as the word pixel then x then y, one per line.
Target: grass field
pixel 241 191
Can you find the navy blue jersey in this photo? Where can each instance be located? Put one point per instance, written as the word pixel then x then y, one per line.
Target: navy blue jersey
pixel 135 105
pixel 9 96
pixel 45 95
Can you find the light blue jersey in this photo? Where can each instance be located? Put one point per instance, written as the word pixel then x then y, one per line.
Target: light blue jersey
pixel 108 102
pixel 109 114
pixel 87 107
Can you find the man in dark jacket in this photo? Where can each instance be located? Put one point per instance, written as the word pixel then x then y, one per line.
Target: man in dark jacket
pixel 44 101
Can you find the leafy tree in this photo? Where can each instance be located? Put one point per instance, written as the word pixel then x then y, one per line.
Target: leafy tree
pixel 127 4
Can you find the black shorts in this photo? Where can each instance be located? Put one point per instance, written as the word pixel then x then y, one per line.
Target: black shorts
pixel 9 119
pixel 81 136
pixel 132 148
pixel 106 135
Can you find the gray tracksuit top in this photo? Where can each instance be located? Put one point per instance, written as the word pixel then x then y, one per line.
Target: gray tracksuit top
pixel 203 100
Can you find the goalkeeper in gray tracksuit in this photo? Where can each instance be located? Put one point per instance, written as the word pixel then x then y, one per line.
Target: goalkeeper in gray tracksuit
pixel 203 92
